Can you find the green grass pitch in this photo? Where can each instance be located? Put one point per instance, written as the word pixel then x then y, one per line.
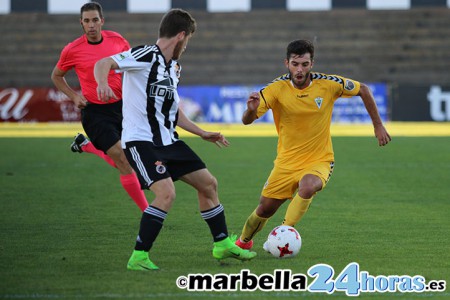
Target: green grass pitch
pixel 68 228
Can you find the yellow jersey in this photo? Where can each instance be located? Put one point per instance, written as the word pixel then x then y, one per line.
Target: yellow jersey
pixel 303 117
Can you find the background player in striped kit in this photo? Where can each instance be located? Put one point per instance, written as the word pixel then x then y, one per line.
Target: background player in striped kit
pixel 101 122
pixel 151 113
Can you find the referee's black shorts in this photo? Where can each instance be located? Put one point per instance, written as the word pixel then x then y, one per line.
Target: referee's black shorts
pixel 103 124
pixel 152 163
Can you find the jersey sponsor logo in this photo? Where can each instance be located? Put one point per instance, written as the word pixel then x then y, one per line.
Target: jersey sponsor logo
pixel 121 56
pixel 163 88
pixel 349 85
pixel 318 101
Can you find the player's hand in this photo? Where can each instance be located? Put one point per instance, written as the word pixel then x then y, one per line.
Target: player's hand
pixel 253 101
pixel 80 101
pixel 382 135
pixel 104 93
pixel 215 137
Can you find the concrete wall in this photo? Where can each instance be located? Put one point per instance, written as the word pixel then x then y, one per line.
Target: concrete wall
pixel 395 46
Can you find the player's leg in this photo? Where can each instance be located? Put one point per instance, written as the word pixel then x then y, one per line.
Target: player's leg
pixel 312 180
pixel 214 215
pixel 257 220
pixel 103 125
pixel 278 187
pixel 82 144
pixel 151 223
pixel 158 180
pixel 210 208
pixel 308 186
pixel 128 178
pixel 184 164
pixel 92 118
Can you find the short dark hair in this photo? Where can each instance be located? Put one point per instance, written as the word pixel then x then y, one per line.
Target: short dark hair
pixel 300 47
pixel 91 6
pixel 176 21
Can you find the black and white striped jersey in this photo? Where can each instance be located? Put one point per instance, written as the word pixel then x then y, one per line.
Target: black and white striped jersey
pixel 150 97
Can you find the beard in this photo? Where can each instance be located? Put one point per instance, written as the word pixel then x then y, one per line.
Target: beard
pixel 299 84
pixel 179 48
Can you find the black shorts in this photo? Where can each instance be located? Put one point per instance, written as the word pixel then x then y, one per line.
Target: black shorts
pixel 103 124
pixel 152 163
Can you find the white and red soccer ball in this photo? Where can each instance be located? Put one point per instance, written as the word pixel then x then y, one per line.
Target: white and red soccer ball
pixel 283 242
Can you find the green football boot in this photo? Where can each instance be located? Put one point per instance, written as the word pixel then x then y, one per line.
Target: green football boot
pixel 139 261
pixel 228 249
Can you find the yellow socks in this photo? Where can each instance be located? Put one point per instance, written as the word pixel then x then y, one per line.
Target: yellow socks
pixel 252 226
pixel 296 209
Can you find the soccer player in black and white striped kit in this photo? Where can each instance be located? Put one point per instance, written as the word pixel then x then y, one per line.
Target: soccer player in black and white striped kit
pixel 150 115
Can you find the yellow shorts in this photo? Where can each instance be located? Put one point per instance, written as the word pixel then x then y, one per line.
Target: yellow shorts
pixel 283 183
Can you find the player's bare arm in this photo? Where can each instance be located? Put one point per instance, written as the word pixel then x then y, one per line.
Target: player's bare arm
pixel 214 137
pixel 62 85
pixel 252 106
pixel 369 102
pixel 101 71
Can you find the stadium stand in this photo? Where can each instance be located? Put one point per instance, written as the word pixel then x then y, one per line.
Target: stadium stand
pixel 403 46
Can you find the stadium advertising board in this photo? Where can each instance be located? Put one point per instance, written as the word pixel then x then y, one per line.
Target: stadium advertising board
pixel 352 110
pixel 225 104
pixel 36 105
pixel 211 104
pixel 421 103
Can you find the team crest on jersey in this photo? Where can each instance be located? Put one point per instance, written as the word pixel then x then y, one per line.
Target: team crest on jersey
pixel 160 168
pixel 318 101
pixel 349 85
pixel 178 70
pixel 121 56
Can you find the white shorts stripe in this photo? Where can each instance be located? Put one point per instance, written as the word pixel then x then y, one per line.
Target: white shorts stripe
pixel 140 165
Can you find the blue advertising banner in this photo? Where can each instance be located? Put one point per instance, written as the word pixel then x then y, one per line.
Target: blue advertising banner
pixel 225 104
pixel 352 110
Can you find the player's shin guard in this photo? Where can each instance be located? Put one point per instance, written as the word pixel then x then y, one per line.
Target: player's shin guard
pixel 296 209
pixel 252 226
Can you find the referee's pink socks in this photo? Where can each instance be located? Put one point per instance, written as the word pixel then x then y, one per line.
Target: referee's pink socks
pixel 131 184
pixel 90 148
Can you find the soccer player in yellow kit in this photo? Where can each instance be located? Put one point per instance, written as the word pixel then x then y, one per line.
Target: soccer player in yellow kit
pixel 302 105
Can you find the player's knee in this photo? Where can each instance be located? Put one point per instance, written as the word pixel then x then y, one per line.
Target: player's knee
pixel 309 186
pixel 264 211
pixel 164 191
pixel 306 192
pixel 120 159
pixel 171 195
pixel 123 165
pixel 167 196
pixel 210 186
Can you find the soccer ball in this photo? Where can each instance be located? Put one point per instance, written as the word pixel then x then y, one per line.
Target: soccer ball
pixel 283 242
